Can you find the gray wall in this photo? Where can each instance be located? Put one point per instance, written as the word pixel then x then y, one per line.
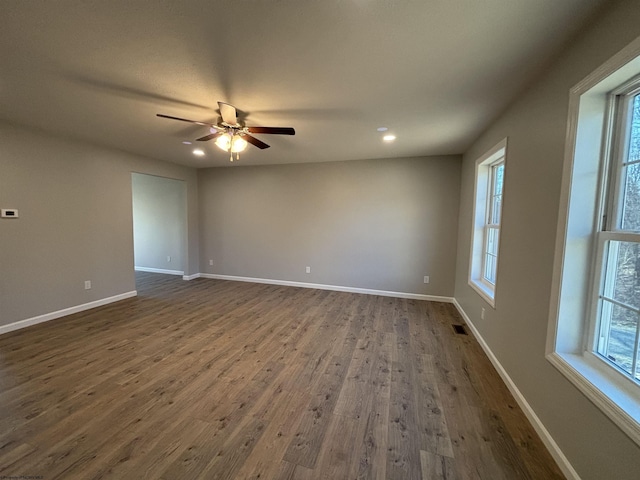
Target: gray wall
pixel 377 224
pixel 75 222
pixel 516 330
pixel 159 221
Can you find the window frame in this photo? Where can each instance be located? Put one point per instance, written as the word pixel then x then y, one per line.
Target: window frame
pixel 490 224
pixel 587 174
pixel 482 195
pixel 617 130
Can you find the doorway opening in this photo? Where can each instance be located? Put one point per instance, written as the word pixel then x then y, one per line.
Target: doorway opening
pixel 159 224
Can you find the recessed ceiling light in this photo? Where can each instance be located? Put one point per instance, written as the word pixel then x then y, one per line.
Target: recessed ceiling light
pixel 389 138
pixel 382 129
pixel 198 152
pixel 186 143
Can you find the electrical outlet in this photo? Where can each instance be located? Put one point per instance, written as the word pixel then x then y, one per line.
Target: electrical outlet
pixel 211 262
pixel 87 285
pixel 308 269
pixel 482 314
pixel 168 258
pixel 426 279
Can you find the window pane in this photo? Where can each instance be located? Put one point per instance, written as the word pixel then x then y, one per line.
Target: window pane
pixel 499 178
pixel 618 329
pixel 622 281
pixel 631 205
pixel 490 254
pixel 490 269
pixel 634 143
pixel 496 208
pixel 492 241
pixel 495 199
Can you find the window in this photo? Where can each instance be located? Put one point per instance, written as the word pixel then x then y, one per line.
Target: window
pixel 616 312
pixel 487 216
pixel 594 321
pixel 492 226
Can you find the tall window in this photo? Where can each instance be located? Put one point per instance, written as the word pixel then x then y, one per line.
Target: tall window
pixel 492 226
pixel 483 271
pixel 594 321
pixel 617 310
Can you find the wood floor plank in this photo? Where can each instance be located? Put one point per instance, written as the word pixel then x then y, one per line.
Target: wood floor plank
pixel 291 471
pixel 355 393
pixel 431 421
pixel 437 467
pixel 474 457
pixel 278 433
pixel 305 446
pixel 162 444
pixel 313 353
pixel 338 458
pixel 403 460
pixel 128 455
pixel 373 452
pixel 13 461
pixel 74 446
pixel 217 379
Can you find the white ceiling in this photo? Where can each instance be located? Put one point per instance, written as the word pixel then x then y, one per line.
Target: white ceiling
pixel 435 72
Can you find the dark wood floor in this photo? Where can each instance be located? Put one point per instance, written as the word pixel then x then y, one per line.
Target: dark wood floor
pixel 213 379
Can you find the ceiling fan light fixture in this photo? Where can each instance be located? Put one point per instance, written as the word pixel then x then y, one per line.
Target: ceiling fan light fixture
pixel 230 135
pixel 231 141
pixel 238 144
pixel 223 142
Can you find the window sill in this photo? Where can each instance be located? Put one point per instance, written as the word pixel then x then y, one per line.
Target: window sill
pixel 617 397
pixel 484 291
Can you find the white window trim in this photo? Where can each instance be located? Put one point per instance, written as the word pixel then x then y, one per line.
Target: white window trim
pixel 481 194
pixel 569 332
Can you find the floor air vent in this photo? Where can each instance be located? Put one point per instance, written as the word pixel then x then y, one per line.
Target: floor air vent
pixel 459 329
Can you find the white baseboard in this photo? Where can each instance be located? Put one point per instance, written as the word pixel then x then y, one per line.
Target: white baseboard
pixel 66 311
pixel 319 286
pixel 191 277
pixel 539 427
pixel 159 270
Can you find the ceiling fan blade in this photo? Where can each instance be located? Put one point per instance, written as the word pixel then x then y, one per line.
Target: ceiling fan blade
pixel 209 137
pixel 272 130
pixel 254 141
pixel 185 120
pixel 228 113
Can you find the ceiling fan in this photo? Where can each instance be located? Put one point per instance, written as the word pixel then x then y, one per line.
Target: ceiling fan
pixel 232 136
